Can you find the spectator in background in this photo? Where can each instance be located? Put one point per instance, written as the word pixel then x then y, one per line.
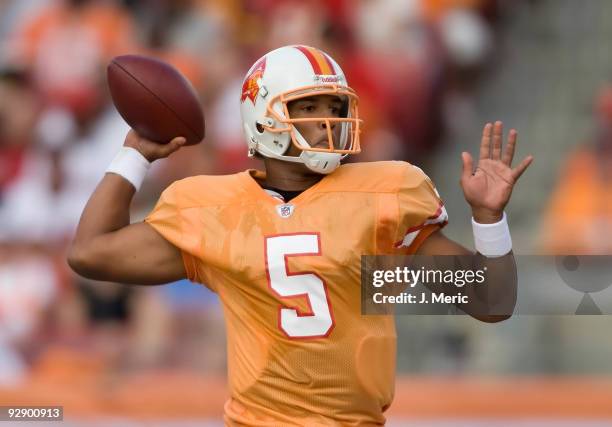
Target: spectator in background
pixel 403 108
pixel 19 109
pixel 66 46
pixel 41 195
pixel 12 14
pixel 29 278
pixel 467 41
pixel 57 115
pixel 578 219
pixel 28 286
pixel 187 34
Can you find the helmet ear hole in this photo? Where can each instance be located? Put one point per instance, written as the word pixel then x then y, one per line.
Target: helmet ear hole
pixel 259 128
pixel 344 110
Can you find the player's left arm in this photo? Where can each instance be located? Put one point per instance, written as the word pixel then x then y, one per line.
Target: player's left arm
pixel 491 301
pixel 487 189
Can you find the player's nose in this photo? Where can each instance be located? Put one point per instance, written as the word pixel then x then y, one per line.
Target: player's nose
pixel 323 125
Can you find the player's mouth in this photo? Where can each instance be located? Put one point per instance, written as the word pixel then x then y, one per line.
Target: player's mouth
pixel 322 143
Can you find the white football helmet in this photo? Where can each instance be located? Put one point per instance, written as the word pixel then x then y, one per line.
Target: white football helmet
pixel 284 75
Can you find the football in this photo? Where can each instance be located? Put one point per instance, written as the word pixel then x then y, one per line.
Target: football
pixel 155 99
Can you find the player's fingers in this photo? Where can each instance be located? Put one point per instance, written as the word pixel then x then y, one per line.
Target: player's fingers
pixel 132 139
pixel 510 147
pixel 498 130
pixel 177 143
pixel 485 142
pixel 173 145
pixel 468 165
pixel 179 140
pixel 518 171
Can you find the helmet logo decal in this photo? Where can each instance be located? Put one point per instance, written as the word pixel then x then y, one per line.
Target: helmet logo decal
pixel 322 79
pixel 250 87
pixel 321 64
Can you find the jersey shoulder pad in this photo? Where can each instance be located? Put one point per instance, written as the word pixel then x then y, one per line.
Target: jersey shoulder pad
pixel 379 177
pixel 205 190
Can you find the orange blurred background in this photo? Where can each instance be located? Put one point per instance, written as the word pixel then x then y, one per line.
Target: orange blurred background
pixel 428 79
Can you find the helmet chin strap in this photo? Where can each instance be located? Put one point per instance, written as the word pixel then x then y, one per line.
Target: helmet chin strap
pixel 322 163
pixel 316 161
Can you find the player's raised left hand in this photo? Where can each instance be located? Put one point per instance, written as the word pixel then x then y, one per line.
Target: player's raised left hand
pixel 488 188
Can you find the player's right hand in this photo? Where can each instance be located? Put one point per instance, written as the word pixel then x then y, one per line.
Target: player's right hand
pixel 152 150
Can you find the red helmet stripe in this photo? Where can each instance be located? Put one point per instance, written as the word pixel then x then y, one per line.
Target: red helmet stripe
pixel 313 62
pixel 321 64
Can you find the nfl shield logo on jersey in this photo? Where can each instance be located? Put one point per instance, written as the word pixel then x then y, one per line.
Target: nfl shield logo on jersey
pixel 285 210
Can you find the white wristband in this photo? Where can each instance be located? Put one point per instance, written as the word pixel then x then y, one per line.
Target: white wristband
pixel 492 240
pixel 131 165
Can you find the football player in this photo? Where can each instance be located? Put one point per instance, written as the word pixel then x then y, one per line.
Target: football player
pixel 281 247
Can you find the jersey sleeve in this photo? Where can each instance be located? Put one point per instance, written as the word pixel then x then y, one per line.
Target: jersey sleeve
pixel 420 210
pixel 171 218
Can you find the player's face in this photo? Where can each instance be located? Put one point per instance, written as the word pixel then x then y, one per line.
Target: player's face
pixel 315 133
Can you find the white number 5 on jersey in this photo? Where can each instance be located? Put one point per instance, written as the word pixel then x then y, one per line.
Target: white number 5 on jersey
pixel 319 322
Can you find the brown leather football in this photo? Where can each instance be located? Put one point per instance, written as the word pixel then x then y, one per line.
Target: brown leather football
pixel 155 99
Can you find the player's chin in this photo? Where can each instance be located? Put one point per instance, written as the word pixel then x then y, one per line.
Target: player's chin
pixel 305 170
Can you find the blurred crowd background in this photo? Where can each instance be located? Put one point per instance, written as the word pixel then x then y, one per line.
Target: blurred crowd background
pixel 429 73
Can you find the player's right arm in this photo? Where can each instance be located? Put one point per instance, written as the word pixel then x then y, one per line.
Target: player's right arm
pixel 107 247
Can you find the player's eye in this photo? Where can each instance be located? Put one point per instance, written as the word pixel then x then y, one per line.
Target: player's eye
pixel 308 108
pixel 335 111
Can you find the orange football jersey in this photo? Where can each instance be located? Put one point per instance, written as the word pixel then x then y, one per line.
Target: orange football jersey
pixel 288 276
